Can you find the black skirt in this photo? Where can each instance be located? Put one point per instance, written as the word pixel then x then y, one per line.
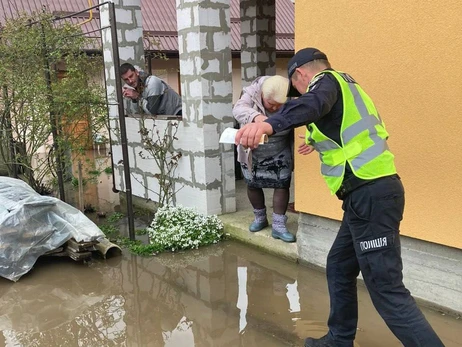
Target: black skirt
pixel 272 163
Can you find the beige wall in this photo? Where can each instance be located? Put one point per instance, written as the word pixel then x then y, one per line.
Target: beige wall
pixel 407 55
pixel 168 70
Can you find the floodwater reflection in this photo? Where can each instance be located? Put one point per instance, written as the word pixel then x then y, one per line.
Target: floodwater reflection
pixel 171 300
pixel 223 295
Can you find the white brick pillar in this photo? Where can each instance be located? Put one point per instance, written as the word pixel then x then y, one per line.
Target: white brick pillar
pixel 204 38
pixel 258 39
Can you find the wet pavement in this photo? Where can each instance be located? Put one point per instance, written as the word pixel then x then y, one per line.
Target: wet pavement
pixel 223 295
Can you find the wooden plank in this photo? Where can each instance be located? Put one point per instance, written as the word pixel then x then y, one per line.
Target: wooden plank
pixel 79 256
pixel 81 246
pixel 56 250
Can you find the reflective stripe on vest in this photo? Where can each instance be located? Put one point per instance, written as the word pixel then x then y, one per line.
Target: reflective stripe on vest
pixel 363 138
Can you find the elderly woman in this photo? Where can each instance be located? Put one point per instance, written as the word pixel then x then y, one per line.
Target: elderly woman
pixel 270 165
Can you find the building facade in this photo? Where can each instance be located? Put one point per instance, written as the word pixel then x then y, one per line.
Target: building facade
pixel 411 71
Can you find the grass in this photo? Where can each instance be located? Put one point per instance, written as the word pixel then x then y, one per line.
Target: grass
pixel 141 231
pixel 109 230
pixel 115 217
pixel 134 246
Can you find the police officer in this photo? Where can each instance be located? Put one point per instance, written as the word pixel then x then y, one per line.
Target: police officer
pixel 344 126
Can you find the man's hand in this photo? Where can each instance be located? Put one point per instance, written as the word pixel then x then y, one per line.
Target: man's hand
pixel 250 134
pixel 304 149
pixel 130 93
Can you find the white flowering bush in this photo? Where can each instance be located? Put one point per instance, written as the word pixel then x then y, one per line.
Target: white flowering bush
pixel 177 228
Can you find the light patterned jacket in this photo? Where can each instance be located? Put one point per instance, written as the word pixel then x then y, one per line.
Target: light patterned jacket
pixel 250 103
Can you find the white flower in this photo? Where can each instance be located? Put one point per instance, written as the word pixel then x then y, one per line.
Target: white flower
pixel 177 227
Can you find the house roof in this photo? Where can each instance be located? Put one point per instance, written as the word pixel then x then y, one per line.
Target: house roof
pixel 159 20
pixel 164 27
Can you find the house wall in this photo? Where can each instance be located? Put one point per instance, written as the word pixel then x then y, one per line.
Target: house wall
pixel 168 70
pixel 411 72
pixel 407 56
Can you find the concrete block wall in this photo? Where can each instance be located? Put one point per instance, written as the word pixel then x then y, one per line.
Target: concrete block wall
pixel 258 39
pixel 205 175
pixel 206 85
pixel 431 272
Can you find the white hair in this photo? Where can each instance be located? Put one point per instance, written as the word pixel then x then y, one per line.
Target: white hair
pixel 275 88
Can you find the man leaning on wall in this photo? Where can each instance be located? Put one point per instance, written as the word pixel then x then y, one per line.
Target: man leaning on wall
pixel 148 94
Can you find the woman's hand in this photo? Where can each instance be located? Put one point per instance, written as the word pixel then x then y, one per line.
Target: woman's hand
pixel 260 118
pixel 304 149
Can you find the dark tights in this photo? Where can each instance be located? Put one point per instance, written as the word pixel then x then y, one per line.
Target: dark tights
pixel 280 199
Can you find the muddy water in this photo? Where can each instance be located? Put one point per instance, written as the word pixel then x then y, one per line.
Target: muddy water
pixel 223 295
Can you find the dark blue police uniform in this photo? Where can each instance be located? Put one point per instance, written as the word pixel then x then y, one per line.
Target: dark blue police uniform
pixel 368 238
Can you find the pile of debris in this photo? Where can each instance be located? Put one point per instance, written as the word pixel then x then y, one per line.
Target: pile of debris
pixel 83 250
pixel 32 225
pixel 75 250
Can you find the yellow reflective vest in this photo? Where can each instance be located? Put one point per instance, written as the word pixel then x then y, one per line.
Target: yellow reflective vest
pixel 363 138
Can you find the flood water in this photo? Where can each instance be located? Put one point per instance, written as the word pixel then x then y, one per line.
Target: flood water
pixel 223 295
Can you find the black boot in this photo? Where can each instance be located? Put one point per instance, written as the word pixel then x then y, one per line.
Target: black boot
pixel 324 341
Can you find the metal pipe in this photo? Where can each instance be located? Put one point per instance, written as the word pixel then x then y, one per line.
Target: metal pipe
pixel 73 14
pixel 90 17
pixel 123 129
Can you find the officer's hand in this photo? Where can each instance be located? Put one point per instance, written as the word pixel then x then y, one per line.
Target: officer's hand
pixel 250 134
pixel 304 149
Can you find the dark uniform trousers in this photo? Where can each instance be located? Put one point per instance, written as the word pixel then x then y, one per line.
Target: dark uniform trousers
pixel 368 241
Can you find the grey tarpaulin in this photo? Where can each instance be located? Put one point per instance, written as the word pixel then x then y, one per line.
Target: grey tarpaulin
pixel 32 224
